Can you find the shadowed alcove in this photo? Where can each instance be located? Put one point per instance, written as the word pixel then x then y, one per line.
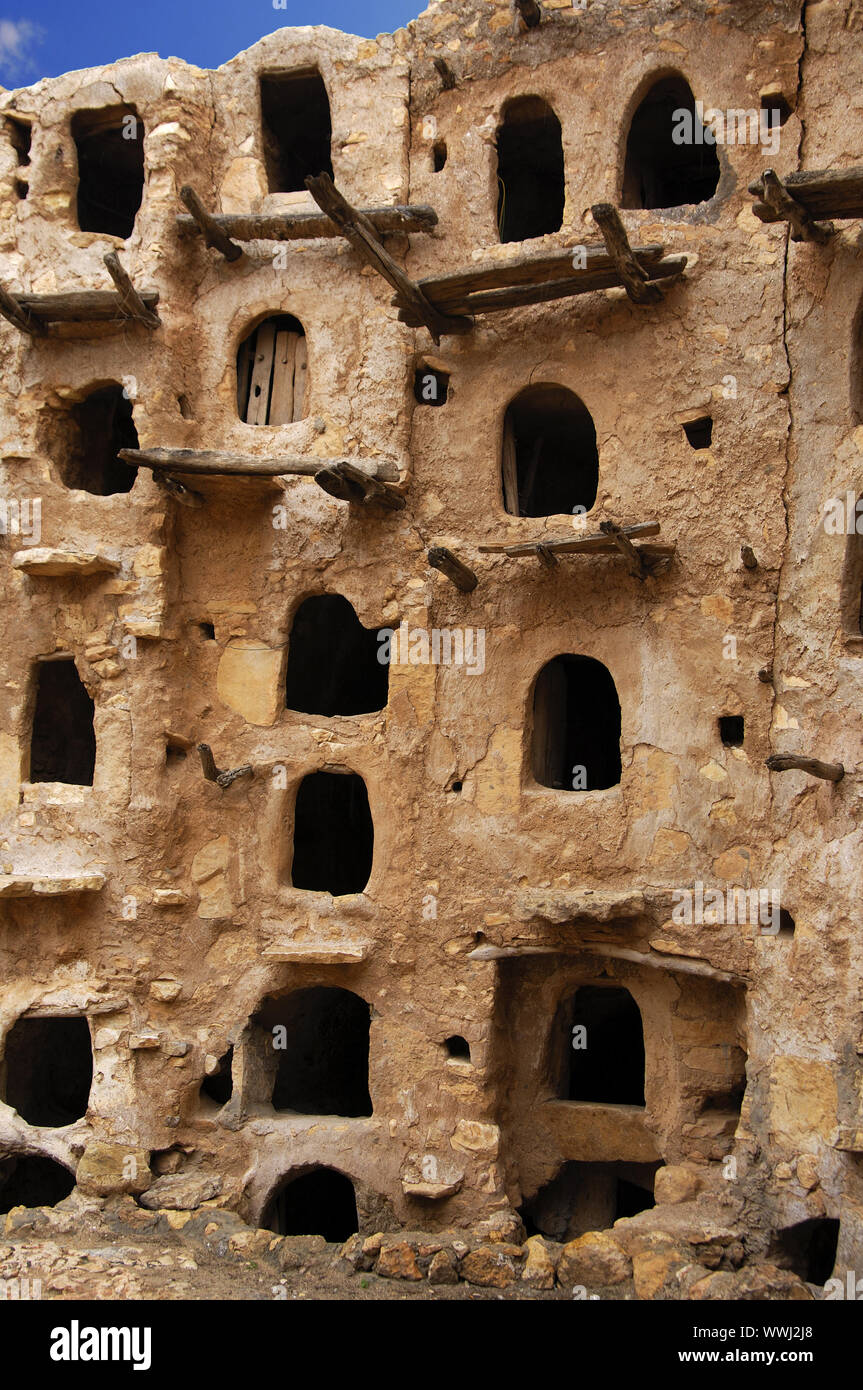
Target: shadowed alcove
pixel 318 1038
pixel 47 1069
pixel 295 115
pixel 530 173
pixel 321 1203
pixel 333 834
pixel 549 462
pixel 576 725
pixel 662 168
pixel 63 741
pixel 110 145
pixel 333 665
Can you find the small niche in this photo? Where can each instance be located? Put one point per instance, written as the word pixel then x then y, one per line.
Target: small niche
pixel 30 1180
pixel 63 741
pixel 185 407
pixel 48 1070
pixel 272 372
pixel 333 666
pixel 668 162
pixel 808 1248
pixel 699 433
pixel 431 387
pixel 731 730
pixel 319 1203
pixel 207 632
pixel 110 145
pixel 87 439
pixel 175 753
pixel 439 155
pixel 333 834
pixel 19 134
pixel 786 923
pixel 456 786
pixel 776 108
pixel 297 129
pixel 318 1039
pixel 530 173
pixel 457 1048
pixel 219 1085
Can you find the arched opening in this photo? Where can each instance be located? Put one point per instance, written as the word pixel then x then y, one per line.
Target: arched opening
pixel 333 834
pixel 297 129
pixel 605 1047
pixel 530 175
pixel 576 725
pixel 47 1070
pixel 272 372
pixel 333 665
pixel 63 741
pixel 85 439
pixel 110 146
pixel 550 462
pixel 317 1040
pixel 319 1203
pixel 458 1048
pixel 589 1197
pixel 669 162
pixel 29 1180
pixel 808 1248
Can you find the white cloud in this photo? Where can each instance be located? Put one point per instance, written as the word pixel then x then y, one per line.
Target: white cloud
pixel 18 38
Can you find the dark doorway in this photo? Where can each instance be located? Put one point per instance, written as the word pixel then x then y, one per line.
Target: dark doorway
pixel 320 1203
pixel 576 725
pixel 550 462
pixel 29 1180
pixel 110 145
pixel 219 1086
pixel 90 436
pixel 47 1069
pixel 809 1248
pixel 609 1067
pixel 333 665
pixel 530 173
pixel 272 372
pixel 333 834
pixel 589 1197
pixel 669 163
pixel 731 730
pixel 320 1037
pixel 63 744
pixel 295 114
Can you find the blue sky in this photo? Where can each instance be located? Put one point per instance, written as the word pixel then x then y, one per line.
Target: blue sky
pixel 44 38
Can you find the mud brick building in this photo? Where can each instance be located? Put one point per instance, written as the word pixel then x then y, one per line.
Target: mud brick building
pixel 522 371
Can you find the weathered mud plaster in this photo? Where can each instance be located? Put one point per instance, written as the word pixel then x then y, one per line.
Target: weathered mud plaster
pixel 163 879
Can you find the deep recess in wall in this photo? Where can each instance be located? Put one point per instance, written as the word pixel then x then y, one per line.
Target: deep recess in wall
pixel 699 433
pixel 439 155
pixel 219 1085
pixel 272 372
pixel 550 462
pixel 19 134
pixel 85 438
pixel 48 1069
pixel 731 730
pixel 576 725
pixel 333 834
pixel 588 1197
pixel 529 170
pixel 63 742
pixel 319 1203
pixel 431 387
pixel 323 1067
pixel 30 1180
pixel 609 1068
pixel 333 665
pixel 458 1048
pixel 658 173
pixel 110 146
pixel 808 1248
pixel 297 130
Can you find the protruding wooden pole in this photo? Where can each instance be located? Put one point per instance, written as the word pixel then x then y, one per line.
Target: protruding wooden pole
pixel 210 230
pixel 634 560
pixel 788 762
pixel 218 464
pixel 18 316
pixel 803 226
pixel 384 494
pixel 530 12
pixel 130 299
pixel 362 236
pixel 631 272
pixel 214 774
pixel 442 559
pixel 333 483
pixel 747 555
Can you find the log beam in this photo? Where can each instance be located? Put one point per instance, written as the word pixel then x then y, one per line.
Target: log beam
pixel 347 483
pixel 302 226
pixel 776 197
pixel 631 272
pixel 595 544
pixel 214 236
pixel 822 192
pixel 212 773
pixel 218 464
pixel 634 559
pixel 81 306
pixel 130 300
pixel 450 565
pixel 788 762
pixel 363 237
pixel 21 318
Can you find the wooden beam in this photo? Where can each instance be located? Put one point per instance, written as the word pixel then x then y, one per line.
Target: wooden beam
pixel 132 303
pixel 336 485
pixel 243 465
pixel 803 228
pixel 364 239
pixel 788 762
pixel 445 73
pixel 528 270
pixel 82 306
pixel 450 565
pixel 595 544
pixel 348 483
pixel 21 318
pixel 631 272
pixel 215 774
pixel 633 558
pixel 213 234
pixel 822 192
pixel 305 226
pixel 530 12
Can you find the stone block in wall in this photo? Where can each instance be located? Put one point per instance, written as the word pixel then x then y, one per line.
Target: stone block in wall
pixel 105 1169
pixel 249 680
